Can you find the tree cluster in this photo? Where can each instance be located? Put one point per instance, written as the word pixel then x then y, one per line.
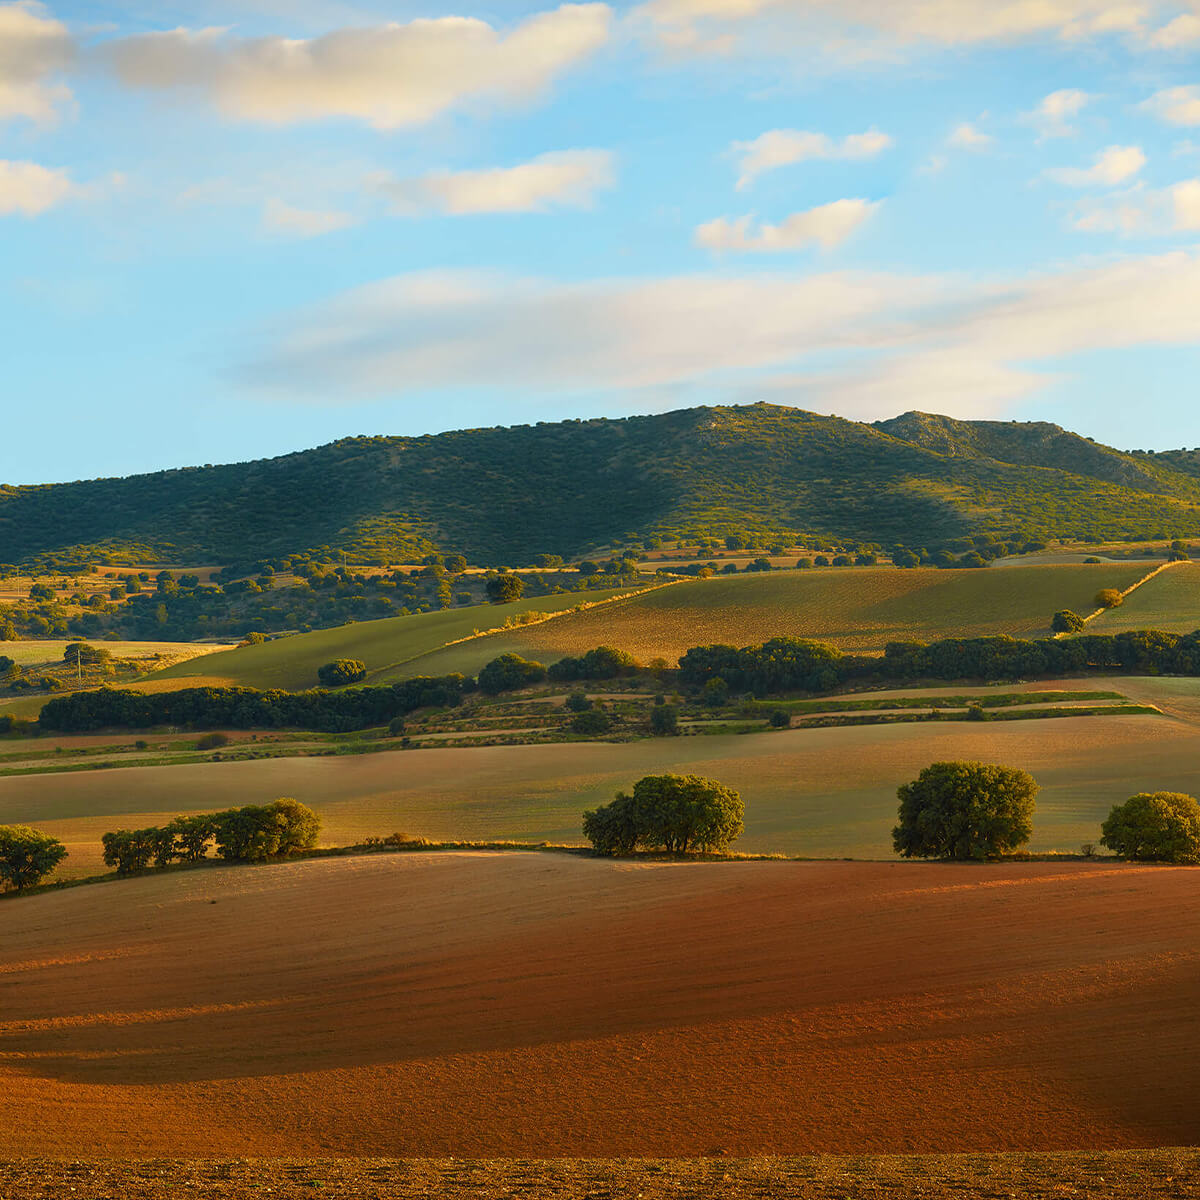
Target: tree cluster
pixel 680 814
pixel 604 662
pixel 252 833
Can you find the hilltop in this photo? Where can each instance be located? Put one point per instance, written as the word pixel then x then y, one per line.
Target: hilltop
pixel 502 495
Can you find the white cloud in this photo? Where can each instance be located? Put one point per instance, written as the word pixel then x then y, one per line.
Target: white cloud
pixel 1114 165
pixel 1144 211
pixel 282 218
pixel 826 226
pixel 568 178
pixel 893 340
pixel 33 48
pixel 1176 106
pixel 1053 116
pixel 1182 32
pixel 27 188
pixel 391 76
pixel 967 137
pixel 702 23
pixel 783 147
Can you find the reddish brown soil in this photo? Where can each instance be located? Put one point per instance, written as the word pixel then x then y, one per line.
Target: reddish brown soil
pixel 529 1005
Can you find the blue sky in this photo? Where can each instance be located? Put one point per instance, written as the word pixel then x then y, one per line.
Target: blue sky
pixel 235 230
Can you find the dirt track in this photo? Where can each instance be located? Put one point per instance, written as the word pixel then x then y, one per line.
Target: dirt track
pixel 524 1005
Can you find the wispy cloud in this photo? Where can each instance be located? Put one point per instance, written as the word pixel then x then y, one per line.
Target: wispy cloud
pixel 34 48
pixel 389 77
pixel 1143 212
pixel 1052 117
pixel 827 226
pixel 1112 166
pixel 782 147
pixel 569 178
pixel 1176 106
pixel 281 218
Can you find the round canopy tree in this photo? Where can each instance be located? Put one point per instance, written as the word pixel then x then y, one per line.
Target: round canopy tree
pixel 965 810
pixel 676 813
pixel 341 671
pixel 27 856
pixel 1155 827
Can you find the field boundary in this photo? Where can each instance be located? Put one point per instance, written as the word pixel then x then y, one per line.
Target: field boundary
pixel 1132 588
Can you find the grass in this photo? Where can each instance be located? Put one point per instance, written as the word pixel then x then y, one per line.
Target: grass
pixel 811 792
pixel 388 647
pixel 36 653
pixel 859 609
pixel 1170 601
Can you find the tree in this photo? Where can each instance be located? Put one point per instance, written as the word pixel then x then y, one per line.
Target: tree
pixel 1066 621
pixel 456 564
pixel 664 720
pixel 1155 827
pixel 27 856
pixel 780 718
pixel 965 810
pixel 128 850
pixel 676 813
pixel 1109 598
pixel 715 692
pixel 578 702
pixel 591 722
pixel 80 652
pixel 341 671
pixel 504 589
pixel 509 672
pixel 588 568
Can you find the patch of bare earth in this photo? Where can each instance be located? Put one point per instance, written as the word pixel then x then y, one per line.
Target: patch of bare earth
pixel 506 1005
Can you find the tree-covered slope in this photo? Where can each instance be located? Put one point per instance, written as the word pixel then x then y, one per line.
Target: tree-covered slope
pixel 502 495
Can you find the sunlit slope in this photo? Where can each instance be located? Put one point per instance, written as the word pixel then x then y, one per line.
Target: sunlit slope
pixel 384 646
pixel 859 609
pixel 1169 601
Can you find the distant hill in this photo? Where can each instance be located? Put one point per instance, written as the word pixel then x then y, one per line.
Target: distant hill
pixel 502 495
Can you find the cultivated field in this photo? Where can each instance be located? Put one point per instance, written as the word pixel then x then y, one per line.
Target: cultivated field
pixel 859 609
pixel 813 792
pixel 1170 601
pixel 539 1005
pixel 36 652
pixel 386 646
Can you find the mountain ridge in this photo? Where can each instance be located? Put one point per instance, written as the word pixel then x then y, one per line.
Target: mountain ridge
pixel 504 493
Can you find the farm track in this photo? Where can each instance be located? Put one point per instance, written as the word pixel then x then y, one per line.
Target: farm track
pixel 1127 1175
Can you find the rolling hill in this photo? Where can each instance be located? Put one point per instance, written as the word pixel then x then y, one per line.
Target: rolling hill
pixel 502 495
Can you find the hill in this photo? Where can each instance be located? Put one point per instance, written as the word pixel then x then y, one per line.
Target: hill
pixel 502 495
pixel 524 1005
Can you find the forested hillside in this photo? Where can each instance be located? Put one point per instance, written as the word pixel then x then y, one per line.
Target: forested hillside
pixel 502 495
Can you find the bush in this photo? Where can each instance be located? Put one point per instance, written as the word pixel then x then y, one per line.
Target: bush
pixel 715 692
pixel 509 672
pixel 591 722
pixel 504 589
pixel 780 719
pixel 1155 827
pixel 965 810
pixel 27 856
pixel 664 720
pixel 212 741
pixel 676 813
pixel 578 702
pixel 396 726
pixel 1109 598
pixel 341 671
pixel 1066 621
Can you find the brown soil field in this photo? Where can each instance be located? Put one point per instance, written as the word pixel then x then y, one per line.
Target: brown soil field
pixel 535 1005
pixel 1115 1175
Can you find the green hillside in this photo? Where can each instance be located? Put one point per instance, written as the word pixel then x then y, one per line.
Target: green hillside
pixel 501 496
pixel 386 647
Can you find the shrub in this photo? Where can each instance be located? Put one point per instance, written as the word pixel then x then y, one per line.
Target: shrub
pixel 1109 598
pixel 965 810
pixel 664 720
pixel 396 726
pixel 254 638
pixel 1066 621
pixel 591 722
pixel 715 692
pixel 27 856
pixel 676 813
pixel 341 671
pixel 578 702
pixel 976 712
pixel 212 741
pixel 509 672
pixel 780 719
pixel 1155 827
pixel 504 589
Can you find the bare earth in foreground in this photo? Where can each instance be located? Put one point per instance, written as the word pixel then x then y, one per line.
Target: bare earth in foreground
pixel 530 1005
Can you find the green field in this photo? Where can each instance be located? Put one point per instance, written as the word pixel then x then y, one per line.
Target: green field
pixel 859 609
pixel 820 792
pixel 1170 601
pixel 387 647
pixel 39 652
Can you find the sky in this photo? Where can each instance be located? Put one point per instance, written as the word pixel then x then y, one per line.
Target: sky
pixel 235 230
